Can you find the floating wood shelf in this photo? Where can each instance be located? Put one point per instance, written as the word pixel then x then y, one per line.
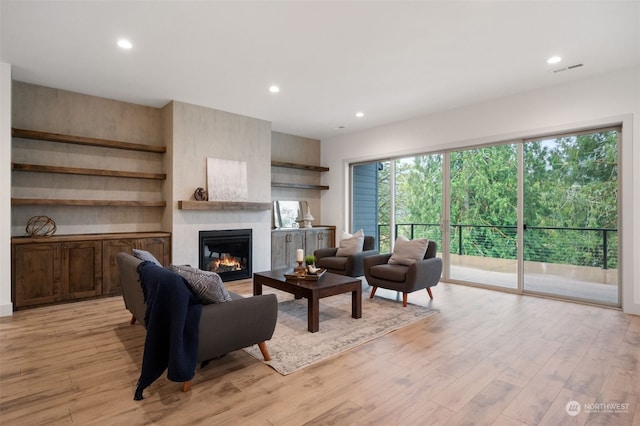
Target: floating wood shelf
pixel 88 172
pixel 298 185
pixel 222 205
pixel 82 140
pixel 107 203
pixel 299 166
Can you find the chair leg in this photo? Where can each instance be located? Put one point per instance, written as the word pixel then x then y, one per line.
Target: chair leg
pixel 429 291
pixel 404 300
pixel 264 350
pixel 133 320
pixel 186 386
pixel 373 292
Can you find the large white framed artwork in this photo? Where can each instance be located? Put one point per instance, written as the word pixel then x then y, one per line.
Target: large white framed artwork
pixel 227 180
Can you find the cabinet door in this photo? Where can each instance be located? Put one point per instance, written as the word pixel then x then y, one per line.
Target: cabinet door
pixel 296 241
pixel 160 248
pixel 318 238
pixel 328 238
pixel 110 273
pixel 36 273
pixel 312 240
pixel 81 269
pixel 279 253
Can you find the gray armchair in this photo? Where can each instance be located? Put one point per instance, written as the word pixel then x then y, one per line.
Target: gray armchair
pixel 224 327
pixel 406 279
pixel 345 265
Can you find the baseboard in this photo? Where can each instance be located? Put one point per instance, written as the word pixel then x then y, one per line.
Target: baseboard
pixel 6 310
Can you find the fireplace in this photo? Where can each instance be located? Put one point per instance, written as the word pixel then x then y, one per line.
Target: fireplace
pixel 227 252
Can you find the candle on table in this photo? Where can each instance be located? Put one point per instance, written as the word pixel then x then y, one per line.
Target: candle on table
pixel 299 255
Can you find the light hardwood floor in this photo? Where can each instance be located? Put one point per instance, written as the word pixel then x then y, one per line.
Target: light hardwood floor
pixel 486 358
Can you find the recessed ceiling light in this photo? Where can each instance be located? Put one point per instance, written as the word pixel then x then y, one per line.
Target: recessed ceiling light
pixel 554 60
pixel 125 44
pixel 274 89
pixel 359 114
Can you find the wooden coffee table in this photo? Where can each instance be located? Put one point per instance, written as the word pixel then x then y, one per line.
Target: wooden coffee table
pixel 328 285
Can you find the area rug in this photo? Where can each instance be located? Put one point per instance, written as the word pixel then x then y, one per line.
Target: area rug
pixel 293 347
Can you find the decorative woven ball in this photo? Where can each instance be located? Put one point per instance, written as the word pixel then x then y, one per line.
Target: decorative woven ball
pixel 200 194
pixel 41 226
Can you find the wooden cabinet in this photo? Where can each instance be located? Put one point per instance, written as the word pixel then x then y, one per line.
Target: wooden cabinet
pixel 160 247
pixel 81 269
pixel 52 272
pixel 318 238
pixel 36 274
pixel 285 242
pixel 73 267
pixel 283 248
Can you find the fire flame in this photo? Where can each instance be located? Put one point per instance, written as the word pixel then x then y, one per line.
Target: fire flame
pixel 227 262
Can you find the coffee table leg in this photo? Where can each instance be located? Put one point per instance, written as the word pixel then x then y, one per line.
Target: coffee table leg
pixel 257 287
pixel 313 313
pixel 356 304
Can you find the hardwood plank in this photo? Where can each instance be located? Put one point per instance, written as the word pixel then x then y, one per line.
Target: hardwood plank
pixel 487 405
pixel 79 363
pixel 557 413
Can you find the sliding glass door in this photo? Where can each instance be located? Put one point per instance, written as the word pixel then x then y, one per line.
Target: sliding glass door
pixel 571 215
pixel 418 197
pixel 483 215
pixel 538 215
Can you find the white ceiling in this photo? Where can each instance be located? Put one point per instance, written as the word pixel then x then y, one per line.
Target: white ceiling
pixel 392 60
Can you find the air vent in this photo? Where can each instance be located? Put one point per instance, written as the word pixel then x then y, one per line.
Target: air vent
pixel 567 68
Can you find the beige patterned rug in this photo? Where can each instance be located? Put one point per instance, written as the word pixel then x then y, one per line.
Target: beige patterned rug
pixel 293 347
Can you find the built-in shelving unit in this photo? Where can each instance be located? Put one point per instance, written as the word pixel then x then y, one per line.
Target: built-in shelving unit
pixel 299 167
pixel 82 140
pixel 67 202
pixel 298 185
pixel 88 172
pixel 222 205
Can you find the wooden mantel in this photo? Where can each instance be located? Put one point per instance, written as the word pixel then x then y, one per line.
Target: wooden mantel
pixel 222 205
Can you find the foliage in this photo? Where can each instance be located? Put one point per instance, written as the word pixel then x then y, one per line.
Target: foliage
pixel 569 182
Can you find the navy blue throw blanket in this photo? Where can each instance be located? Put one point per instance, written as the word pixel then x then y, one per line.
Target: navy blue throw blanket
pixel 173 322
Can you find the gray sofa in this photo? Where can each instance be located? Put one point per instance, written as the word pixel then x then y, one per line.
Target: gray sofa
pixel 224 327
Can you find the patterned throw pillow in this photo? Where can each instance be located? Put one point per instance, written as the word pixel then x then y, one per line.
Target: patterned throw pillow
pixel 407 252
pixel 351 244
pixel 145 255
pixel 206 285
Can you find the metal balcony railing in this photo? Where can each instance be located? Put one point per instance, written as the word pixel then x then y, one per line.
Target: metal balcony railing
pixel 594 247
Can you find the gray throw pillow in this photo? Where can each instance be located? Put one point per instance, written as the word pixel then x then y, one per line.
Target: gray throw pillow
pixel 351 244
pixel 205 285
pixel 145 255
pixel 407 252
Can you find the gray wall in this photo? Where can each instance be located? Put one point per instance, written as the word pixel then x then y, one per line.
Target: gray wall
pixel 200 133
